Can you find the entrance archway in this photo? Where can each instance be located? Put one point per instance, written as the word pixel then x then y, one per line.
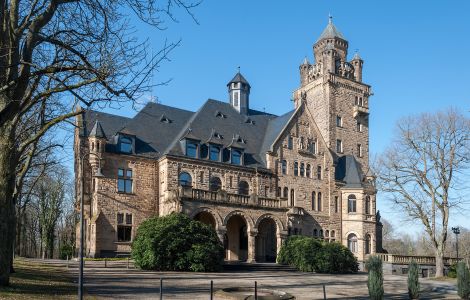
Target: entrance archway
pixel 206 218
pixel 237 235
pixel 266 241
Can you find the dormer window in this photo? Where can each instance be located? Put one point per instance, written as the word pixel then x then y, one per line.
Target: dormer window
pixel 125 144
pixel 164 119
pixel 236 157
pixel 214 153
pixel 191 149
pixel 219 114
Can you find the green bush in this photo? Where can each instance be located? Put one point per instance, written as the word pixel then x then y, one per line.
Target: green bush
pixel 311 255
pixel 66 251
pixel 463 280
pixel 452 273
pixel 375 281
pixel 413 280
pixel 177 243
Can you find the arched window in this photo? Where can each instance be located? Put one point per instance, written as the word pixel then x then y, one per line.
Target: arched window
pixel 292 197
pixel 302 169
pixel 185 179
pixel 236 157
pixel 214 153
pixel 290 142
pixel 367 204
pixel 243 188
pixel 278 192
pixel 296 169
pixel 308 171
pixel 332 234
pixel 319 202
pixel 352 243
pixel 286 193
pixel 367 244
pixel 215 184
pixel 125 145
pixel 351 204
pixel 315 232
pixel 321 233
pixel 313 200
pixel 327 233
pixel 319 172
pixel 284 167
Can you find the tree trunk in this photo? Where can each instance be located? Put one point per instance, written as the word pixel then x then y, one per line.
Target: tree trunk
pixel 7 205
pixel 439 262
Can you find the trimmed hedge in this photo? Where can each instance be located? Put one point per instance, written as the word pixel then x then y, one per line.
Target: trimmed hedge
pixel 312 255
pixel 177 243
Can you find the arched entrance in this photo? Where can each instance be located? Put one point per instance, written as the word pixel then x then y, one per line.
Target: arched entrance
pixel 237 235
pixel 266 241
pixel 206 218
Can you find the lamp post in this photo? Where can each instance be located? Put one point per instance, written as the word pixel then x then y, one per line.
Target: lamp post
pixel 456 231
pixel 82 188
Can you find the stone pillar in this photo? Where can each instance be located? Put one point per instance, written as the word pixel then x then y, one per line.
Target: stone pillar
pixel 221 231
pixel 252 246
pixel 281 238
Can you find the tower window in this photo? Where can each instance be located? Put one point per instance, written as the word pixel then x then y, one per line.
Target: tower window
pixel 313 200
pixel 359 126
pixel 292 197
pixel 336 205
pixel 352 243
pixel 339 121
pixel 351 204
pixel 284 167
pixel 286 193
pixel 235 98
pixel 313 146
pixel 319 175
pixel 319 202
pixel 302 169
pixel 367 205
pixel 308 171
pixel 296 169
pixel 339 146
pixel 290 142
pixel 359 150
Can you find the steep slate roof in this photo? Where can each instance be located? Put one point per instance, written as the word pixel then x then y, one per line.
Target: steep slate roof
pixel 239 78
pixel 348 171
pixel 331 32
pixel 110 124
pixel 97 130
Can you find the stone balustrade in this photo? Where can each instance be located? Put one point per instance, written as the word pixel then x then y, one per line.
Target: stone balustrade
pixel 360 110
pixel 421 260
pixel 222 196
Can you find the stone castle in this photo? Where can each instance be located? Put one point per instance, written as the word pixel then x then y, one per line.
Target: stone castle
pixel 255 177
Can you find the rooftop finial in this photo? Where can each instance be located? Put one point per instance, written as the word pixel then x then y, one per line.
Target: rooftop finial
pixel 238 69
pixel 330 18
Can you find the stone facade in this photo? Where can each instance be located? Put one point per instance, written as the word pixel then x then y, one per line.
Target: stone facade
pixel 303 173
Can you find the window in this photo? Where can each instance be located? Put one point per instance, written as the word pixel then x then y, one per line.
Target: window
pixel 315 232
pixel 290 142
pixel 339 121
pixel 367 244
pixel 284 167
pixel 243 188
pixel 336 205
pixel 191 149
pixel 292 197
pixel 332 234
pixel 236 157
pixel 319 202
pixel 359 126
pixel 296 169
pixel 286 193
pixel 319 173
pixel 125 180
pixel 351 204
pixel 230 181
pixel 367 205
pixel 313 146
pixel 308 172
pixel 352 243
pixel 321 233
pixel 215 184
pixel 313 200
pixel 214 153
pixel 339 146
pixel 124 229
pixel 201 177
pixel 327 233
pixel 185 179
pixel 278 193
pixel 302 169
pixel 203 151
pixel 125 145
pixel 359 150
pixel 235 99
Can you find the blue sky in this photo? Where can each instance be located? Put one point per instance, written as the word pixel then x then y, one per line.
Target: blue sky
pixel 415 56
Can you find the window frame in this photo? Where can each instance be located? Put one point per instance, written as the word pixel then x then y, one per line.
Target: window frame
pixel 284 167
pixel 339 121
pixel 352 243
pixel 352 204
pixel 180 180
pixel 339 146
pixel 296 168
pixel 189 143
pixel 218 148
pixel 126 179
pixel 232 152
pixel 124 226
pixel 130 142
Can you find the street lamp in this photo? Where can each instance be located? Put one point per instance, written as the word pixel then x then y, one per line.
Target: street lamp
pixel 82 188
pixel 456 231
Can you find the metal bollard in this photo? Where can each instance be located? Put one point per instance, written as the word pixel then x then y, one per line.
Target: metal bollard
pixel 161 288
pixel 256 290
pixel 324 292
pixel 212 289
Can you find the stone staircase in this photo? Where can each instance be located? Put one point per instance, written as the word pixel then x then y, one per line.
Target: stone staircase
pixel 237 266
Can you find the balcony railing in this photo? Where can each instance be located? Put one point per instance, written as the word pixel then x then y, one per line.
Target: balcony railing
pixel 360 111
pixel 421 260
pixel 224 197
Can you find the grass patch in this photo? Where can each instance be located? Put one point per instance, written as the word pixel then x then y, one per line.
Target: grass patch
pixel 35 280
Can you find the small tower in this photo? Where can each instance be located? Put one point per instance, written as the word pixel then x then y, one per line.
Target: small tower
pixel 239 93
pixel 304 71
pixel 357 63
pixel 97 143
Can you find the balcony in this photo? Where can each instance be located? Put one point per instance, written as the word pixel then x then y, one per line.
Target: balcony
pixel 420 260
pixel 360 111
pixel 188 193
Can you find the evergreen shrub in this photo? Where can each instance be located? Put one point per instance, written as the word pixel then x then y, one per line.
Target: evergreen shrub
pixel 312 255
pixel 463 280
pixel 375 281
pixel 413 280
pixel 177 243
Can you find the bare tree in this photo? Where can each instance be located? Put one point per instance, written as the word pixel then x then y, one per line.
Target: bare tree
pixel 54 55
pixel 423 169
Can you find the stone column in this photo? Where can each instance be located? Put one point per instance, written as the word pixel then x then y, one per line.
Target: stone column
pixel 252 246
pixel 281 238
pixel 221 231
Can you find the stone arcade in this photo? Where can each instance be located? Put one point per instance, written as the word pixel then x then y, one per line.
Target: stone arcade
pixel 255 177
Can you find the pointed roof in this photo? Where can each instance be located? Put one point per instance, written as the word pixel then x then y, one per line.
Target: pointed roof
pixel 331 32
pixel 349 171
pixel 239 78
pixel 305 61
pixel 357 56
pixel 97 131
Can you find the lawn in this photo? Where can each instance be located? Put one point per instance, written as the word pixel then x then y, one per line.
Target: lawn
pixel 35 280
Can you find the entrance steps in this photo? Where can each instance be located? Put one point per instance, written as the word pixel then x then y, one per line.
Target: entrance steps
pixel 238 266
